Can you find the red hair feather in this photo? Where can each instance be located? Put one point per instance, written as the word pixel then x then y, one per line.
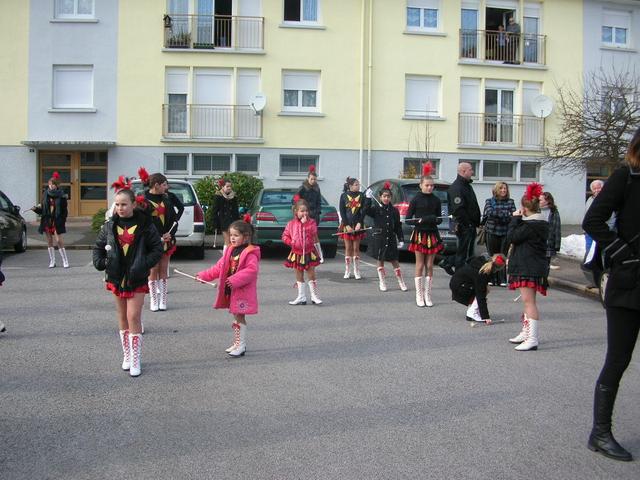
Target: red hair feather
pixel 143 175
pixel 500 260
pixel 387 185
pixel 534 190
pixel 296 198
pixel 55 176
pixel 427 169
pixel 221 182
pixel 312 168
pixel 246 218
pixel 141 201
pixel 123 183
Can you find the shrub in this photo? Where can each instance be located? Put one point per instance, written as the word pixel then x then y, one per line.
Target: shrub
pixel 97 220
pixel 245 186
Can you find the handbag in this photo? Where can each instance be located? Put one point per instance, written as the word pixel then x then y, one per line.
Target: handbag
pixel 482 236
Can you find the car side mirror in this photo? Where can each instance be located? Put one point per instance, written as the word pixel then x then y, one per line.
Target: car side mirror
pixel 16 208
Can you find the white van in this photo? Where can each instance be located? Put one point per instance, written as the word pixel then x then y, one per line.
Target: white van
pixel 190 232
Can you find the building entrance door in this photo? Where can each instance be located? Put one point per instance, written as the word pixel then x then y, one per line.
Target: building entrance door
pixel 83 177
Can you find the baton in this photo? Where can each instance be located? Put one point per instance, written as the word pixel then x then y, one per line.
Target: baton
pixel 191 276
pixel 351 232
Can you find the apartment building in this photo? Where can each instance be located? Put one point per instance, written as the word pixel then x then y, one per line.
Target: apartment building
pixel 365 88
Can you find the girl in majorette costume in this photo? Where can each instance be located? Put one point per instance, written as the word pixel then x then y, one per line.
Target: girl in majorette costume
pixel 470 285
pixel 425 240
pixel 53 216
pixel 301 234
pixel 386 235
pixel 127 246
pixel 237 272
pixel 225 209
pixel 352 218
pixel 309 191
pixel 528 267
pixel 165 209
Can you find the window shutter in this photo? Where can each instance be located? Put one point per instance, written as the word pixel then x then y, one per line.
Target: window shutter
pixel 434 4
pixel 470 95
pixel 616 18
pixel 300 81
pixel 422 95
pixel 177 81
pixel 73 87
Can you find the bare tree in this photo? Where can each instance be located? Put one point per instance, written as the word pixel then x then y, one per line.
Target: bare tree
pixel 596 123
pixel 419 147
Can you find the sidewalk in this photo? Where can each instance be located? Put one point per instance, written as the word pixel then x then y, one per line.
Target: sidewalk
pixel 568 277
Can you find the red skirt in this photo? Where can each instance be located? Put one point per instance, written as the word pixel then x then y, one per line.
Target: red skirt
pixel 302 262
pixel 171 249
pixel 539 284
pixel 425 243
pixel 342 233
pixel 118 292
pixel 50 229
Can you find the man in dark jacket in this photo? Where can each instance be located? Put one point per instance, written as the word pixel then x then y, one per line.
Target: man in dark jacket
pixel 463 205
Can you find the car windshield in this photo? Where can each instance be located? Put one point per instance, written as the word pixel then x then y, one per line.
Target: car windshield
pixel 281 197
pixel 183 191
pixel 411 189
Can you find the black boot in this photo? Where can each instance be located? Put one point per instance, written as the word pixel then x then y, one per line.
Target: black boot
pixel 601 439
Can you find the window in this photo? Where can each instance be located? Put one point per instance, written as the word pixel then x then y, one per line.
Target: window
pixel 422 96
pixel 176 163
pixel 423 15
pixel 493 170
pixel 475 164
pixel 528 171
pixel 297 164
pixel 301 11
pixel 72 86
pixel 247 163
pixel 177 87
pixel 615 28
pixel 74 9
pixel 412 167
pixel 205 164
pixel 301 92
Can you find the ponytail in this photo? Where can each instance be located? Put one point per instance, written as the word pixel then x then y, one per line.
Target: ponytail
pixel 494 264
pixel 350 181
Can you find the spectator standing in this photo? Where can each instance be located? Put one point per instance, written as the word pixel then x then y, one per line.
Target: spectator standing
pixel 513 41
pixel 550 212
pixel 496 218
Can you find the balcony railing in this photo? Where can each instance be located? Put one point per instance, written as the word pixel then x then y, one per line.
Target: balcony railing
pixel 514 131
pixel 510 48
pixel 213 31
pixel 216 122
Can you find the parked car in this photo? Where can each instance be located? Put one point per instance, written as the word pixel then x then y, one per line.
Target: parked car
pixel 13 228
pixel 271 211
pixel 598 277
pixel 190 232
pixel 403 191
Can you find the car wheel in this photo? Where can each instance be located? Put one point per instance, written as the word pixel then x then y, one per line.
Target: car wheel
pixel 329 251
pixel 21 246
pixel 602 285
pixel 197 253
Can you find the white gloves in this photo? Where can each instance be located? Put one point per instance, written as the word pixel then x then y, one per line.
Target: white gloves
pixel 400 244
pixel 368 193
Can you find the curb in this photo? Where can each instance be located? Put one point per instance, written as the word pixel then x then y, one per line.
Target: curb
pixel 574 287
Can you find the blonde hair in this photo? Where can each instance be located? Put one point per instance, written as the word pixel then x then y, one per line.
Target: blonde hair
pixel 498 186
pixel 492 266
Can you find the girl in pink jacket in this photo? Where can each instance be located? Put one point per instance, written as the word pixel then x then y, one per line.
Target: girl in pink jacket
pixel 301 234
pixel 237 272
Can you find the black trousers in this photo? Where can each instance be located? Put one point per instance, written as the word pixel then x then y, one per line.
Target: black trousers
pixel 497 244
pixel 623 325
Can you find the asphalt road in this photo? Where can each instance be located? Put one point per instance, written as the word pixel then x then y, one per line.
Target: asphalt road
pixel 366 386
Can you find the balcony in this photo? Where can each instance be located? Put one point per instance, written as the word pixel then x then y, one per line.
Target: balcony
pixel 216 123
pixel 209 32
pixel 502 47
pixel 500 131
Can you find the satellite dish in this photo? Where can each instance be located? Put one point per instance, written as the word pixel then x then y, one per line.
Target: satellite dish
pixel 541 106
pixel 258 102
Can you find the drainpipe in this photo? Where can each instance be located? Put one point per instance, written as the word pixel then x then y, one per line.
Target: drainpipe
pixel 361 122
pixel 369 113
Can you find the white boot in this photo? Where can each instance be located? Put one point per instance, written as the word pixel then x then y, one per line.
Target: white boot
pixel 135 346
pixel 162 297
pixel 347 263
pixel 319 250
pixel 531 343
pixel 522 336
pixel 153 295
pixel 313 290
pixel 356 268
pixel 236 337
pixel 427 291
pixel 400 278
pixel 382 279
pixel 52 257
pixel 241 346
pixel 301 299
pixel 65 259
pixel 419 291
pixel 473 312
pixel 2 327
pixel 126 352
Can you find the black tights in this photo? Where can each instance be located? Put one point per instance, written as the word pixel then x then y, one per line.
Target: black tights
pixel 622 331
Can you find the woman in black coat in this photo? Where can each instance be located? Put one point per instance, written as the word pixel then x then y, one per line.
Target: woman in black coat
pixel 621 249
pixel 528 267
pixel 53 217
pixel 385 235
pixel 225 209
pixel 309 191
pixel 126 249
